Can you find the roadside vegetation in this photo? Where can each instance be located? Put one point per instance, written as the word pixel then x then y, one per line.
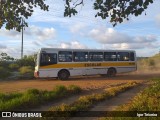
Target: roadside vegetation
pixel 147 100
pixel 16 68
pixel 86 102
pixel 34 97
pixel 150 64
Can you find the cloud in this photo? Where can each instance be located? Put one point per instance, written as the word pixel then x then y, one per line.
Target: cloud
pixel 133 45
pixel 73 44
pixel 113 39
pixel 108 36
pixel 41 33
pixel 10 33
pixel 77 28
pixel 157 19
pixel 127 46
pixel 3 46
pixel 13 52
pixel 69 45
pixel 122 46
pixel 32 31
pixel 36 43
pixel 111 36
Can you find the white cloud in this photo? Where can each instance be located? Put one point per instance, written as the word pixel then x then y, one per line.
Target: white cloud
pixel 157 19
pixel 122 46
pixel 137 46
pixel 13 52
pixel 41 33
pixel 37 43
pixel 111 36
pixel 113 39
pixel 77 28
pixel 32 31
pixel 108 36
pixel 3 46
pixel 127 46
pixel 10 33
pixel 72 45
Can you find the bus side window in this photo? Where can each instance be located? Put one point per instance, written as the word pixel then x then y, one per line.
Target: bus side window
pixel 123 56
pixel 132 56
pixel 110 56
pixel 65 56
pixel 80 56
pixel 96 56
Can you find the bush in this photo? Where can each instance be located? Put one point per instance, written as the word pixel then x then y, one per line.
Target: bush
pixel 4 64
pixel 4 73
pixel 26 61
pixel 25 69
pixel 26 72
pixel 151 62
pixel 14 66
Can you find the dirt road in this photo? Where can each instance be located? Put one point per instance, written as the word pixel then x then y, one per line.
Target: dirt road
pixel 87 82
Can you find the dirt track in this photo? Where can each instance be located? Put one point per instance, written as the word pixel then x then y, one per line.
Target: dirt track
pixel 87 83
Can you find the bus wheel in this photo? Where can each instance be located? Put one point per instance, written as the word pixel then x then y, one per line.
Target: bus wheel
pixel 63 75
pixel 111 72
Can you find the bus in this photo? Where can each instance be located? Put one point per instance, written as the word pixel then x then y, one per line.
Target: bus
pixel 63 63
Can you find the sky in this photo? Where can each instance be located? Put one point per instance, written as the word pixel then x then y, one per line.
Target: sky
pixel 83 31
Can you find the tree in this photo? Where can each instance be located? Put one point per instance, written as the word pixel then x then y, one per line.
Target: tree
pixel 12 12
pixel 5 57
pixel 116 10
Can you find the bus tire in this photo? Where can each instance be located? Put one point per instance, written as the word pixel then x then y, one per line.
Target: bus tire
pixel 111 72
pixel 63 74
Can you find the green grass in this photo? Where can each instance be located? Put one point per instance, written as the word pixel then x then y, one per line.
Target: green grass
pixel 147 100
pixel 34 97
pixel 86 102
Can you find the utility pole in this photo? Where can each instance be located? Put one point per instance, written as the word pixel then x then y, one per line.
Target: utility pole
pixel 22 41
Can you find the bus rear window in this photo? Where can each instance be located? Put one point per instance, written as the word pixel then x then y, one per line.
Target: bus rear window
pixel 132 56
pixel 48 59
pixel 123 56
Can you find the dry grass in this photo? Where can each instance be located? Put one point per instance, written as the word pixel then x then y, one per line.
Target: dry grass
pixel 85 102
pixel 147 100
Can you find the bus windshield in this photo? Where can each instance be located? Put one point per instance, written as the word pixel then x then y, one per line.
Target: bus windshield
pixel 48 59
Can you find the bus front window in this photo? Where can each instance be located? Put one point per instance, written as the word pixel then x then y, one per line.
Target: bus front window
pixel 48 59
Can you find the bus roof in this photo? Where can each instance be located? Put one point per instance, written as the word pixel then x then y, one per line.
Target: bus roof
pixel 68 49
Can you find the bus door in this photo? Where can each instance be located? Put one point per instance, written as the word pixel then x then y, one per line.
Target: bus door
pixel 46 60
